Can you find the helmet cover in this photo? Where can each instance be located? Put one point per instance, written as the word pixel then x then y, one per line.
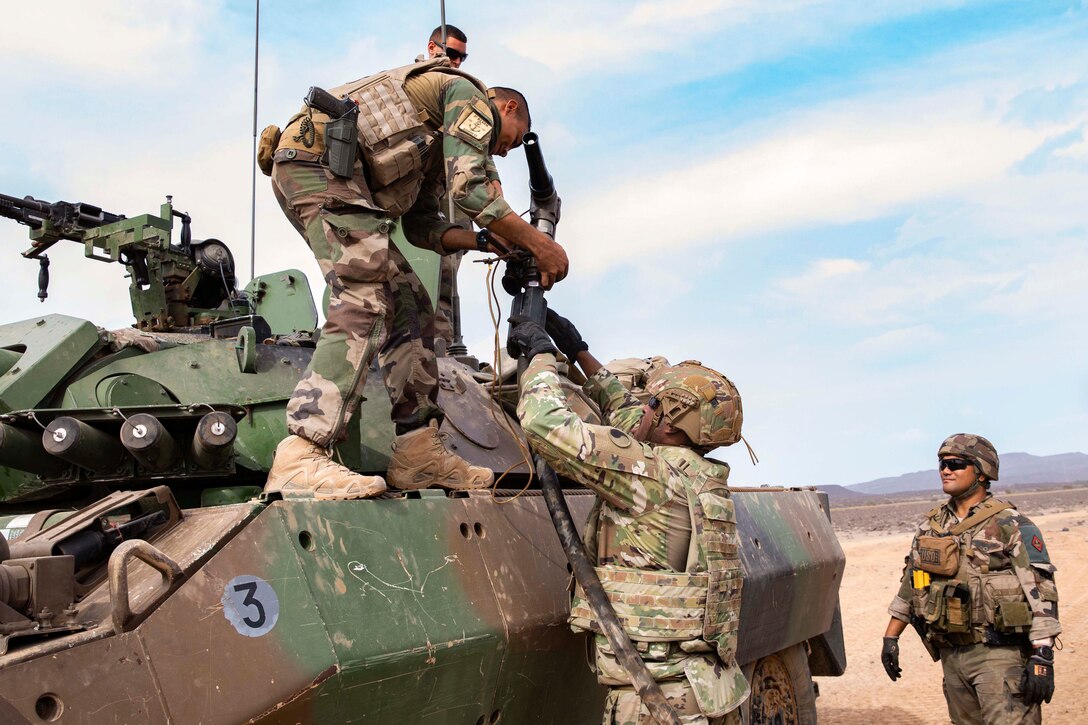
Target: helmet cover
pixel 699 401
pixel 975 449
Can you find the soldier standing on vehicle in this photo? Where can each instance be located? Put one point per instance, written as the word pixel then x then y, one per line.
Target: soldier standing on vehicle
pixel 979 585
pixel 388 157
pixel 447 309
pixel 663 529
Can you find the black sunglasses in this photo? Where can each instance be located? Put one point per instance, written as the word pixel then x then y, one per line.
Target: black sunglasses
pixel 453 55
pixel 953 464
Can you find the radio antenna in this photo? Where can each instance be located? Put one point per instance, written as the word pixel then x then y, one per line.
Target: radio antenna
pixel 253 157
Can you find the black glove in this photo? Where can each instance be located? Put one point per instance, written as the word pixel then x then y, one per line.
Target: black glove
pixel 566 335
pixel 527 338
pixel 1037 682
pixel 889 657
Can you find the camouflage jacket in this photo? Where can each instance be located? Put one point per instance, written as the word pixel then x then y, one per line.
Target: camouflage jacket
pixel 463 175
pixel 450 210
pixel 1004 567
pixel 642 521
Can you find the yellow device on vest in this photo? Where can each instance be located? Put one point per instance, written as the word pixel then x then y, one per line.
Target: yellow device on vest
pixel 921 579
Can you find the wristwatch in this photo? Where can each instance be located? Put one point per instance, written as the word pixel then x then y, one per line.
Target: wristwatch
pixel 483 241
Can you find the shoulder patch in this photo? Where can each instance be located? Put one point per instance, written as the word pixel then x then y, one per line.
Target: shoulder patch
pixel 620 438
pixel 1032 541
pixel 474 125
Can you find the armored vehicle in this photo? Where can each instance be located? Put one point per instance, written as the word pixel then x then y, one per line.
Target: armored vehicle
pixel 145 579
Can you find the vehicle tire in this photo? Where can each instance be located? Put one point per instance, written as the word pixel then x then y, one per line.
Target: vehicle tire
pixel 782 689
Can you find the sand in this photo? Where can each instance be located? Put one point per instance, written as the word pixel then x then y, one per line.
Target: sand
pixel 873 565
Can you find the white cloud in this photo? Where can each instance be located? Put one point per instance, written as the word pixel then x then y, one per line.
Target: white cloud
pixel 821 168
pixel 909 340
pixel 819 272
pixel 893 293
pixel 119 39
pixel 1052 286
pixel 708 35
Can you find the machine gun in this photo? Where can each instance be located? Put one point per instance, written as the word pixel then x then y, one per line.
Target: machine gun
pixel 172 286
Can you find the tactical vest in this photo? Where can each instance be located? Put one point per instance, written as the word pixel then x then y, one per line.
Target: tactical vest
pixel 963 602
pixel 395 138
pixel 698 607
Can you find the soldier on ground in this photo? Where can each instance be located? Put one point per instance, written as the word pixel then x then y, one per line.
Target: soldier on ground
pixel 663 528
pixel 979 585
pixel 416 125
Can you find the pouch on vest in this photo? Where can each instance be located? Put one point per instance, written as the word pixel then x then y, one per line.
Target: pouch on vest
pixel 938 555
pixel 266 146
pixel 949 606
pixel 726 576
pixel 391 136
pixel 718 688
pixel 1004 604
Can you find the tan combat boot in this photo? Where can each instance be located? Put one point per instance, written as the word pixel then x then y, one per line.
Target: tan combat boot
pixel 421 460
pixel 302 469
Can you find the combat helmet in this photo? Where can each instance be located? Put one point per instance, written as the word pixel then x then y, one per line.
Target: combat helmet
pixel 699 401
pixel 975 449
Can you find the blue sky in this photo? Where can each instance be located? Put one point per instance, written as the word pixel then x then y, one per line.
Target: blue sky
pixel 870 215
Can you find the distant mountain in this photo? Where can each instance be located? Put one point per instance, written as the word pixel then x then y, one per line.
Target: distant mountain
pixel 1016 469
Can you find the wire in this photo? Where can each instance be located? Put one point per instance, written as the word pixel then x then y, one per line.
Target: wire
pixel 494 308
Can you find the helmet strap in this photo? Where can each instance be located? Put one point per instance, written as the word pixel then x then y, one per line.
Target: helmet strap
pixel 751 453
pixel 971 489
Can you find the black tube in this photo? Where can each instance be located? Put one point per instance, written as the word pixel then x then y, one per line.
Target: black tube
pixel 646 686
pixel 541 185
pixel 522 281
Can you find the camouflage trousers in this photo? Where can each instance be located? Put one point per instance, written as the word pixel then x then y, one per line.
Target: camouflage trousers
pixel 623 706
pixel 982 686
pixel 447 288
pixel 377 306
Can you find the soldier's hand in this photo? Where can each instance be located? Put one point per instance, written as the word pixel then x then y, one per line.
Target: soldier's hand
pixel 889 657
pixel 1037 682
pixel 551 260
pixel 527 338
pixel 566 335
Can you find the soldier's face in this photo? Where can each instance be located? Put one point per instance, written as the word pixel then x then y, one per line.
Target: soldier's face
pixel 955 482
pixel 456 50
pixel 512 129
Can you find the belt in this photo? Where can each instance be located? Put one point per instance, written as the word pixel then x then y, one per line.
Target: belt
pixel 295 155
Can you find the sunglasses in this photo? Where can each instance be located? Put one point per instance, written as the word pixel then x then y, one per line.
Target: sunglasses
pixel 455 56
pixel 953 464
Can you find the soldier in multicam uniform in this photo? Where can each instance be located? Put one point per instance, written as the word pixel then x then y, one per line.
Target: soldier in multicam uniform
pixel 979 585
pixel 663 528
pixel 422 129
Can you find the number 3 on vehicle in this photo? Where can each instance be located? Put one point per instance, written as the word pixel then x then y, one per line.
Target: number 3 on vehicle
pixel 250 604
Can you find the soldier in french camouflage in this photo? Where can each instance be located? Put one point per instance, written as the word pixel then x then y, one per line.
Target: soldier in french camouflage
pixel 663 529
pixel 418 131
pixel 979 587
pixel 447 307
pixel 454 46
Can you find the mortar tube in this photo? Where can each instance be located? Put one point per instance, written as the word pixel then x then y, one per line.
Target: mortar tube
pixel 530 302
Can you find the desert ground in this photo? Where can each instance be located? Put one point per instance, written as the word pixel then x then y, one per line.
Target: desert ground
pixel 875 539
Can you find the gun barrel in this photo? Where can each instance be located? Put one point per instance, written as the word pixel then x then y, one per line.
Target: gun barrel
pixel 541 185
pixel 62 214
pixel 27 211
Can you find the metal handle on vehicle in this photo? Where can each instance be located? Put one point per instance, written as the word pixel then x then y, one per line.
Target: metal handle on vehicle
pixel 118 570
